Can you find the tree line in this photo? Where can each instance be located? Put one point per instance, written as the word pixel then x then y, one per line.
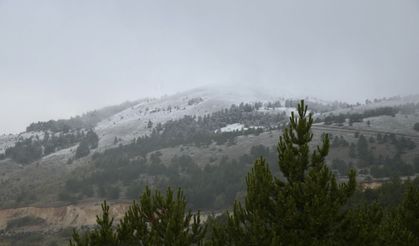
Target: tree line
pixel 34 148
pixel 85 121
pixel 358 117
pixel 212 186
pixel 362 155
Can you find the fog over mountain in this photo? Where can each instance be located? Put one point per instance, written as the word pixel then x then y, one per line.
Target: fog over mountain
pixel 62 58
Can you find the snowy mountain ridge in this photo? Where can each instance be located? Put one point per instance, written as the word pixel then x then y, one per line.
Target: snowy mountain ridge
pixel 133 120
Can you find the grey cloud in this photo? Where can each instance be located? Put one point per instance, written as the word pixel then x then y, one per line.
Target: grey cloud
pixel 60 58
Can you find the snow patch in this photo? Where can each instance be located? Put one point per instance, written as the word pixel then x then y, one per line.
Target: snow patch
pixel 232 127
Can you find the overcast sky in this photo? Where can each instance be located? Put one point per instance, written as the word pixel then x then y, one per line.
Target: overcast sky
pixel 62 58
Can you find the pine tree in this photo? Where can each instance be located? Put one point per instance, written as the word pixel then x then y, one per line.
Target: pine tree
pixel 303 208
pixel 392 231
pixel 409 210
pixel 159 220
pixel 92 139
pixel 155 220
pixel 149 124
pixel 361 225
pixel 82 150
pixel 102 235
pixel 362 148
pixel 352 151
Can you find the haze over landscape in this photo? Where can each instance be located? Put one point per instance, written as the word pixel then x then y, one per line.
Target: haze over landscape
pixel 63 58
pixel 235 122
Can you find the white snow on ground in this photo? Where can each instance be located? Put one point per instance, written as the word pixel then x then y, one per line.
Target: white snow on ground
pixel 391 102
pixel 232 127
pixel 398 124
pixel 132 123
pixel 237 127
pixel 9 140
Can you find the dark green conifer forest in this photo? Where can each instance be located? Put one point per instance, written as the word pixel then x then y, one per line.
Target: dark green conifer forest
pixel 306 205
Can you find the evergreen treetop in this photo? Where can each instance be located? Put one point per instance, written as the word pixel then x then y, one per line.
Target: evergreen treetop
pixel 155 220
pixel 306 204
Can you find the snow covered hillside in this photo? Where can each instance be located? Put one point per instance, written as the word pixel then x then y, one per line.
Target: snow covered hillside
pixel 134 121
pixel 137 119
pixel 9 140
